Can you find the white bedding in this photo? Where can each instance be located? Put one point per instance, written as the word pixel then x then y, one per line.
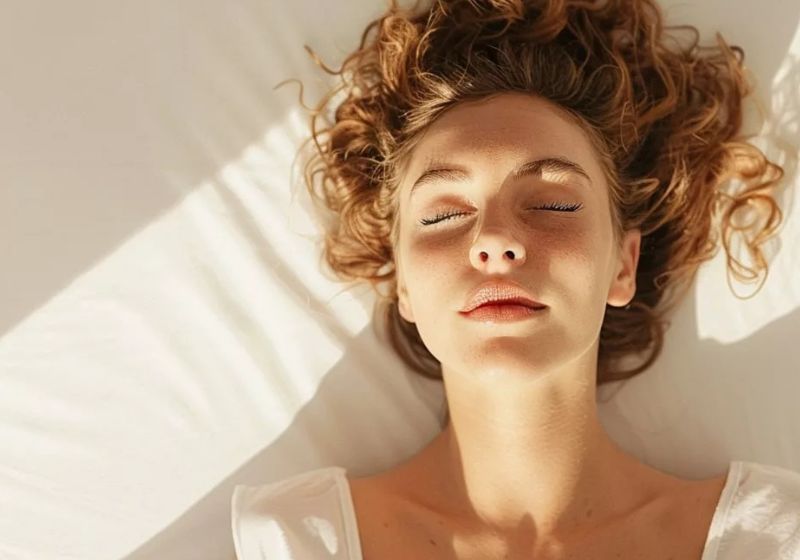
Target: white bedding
pixel 166 332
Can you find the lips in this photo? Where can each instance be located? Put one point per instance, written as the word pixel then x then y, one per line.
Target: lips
pixel 499 292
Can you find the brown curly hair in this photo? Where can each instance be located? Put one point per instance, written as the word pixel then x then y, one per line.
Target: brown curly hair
pixel 663 118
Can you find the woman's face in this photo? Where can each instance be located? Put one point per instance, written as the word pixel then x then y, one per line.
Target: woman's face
pixel 564 257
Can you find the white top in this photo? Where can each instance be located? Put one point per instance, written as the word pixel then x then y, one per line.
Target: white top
pixel 310 516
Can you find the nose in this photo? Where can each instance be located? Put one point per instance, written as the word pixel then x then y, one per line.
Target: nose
pixel 496 251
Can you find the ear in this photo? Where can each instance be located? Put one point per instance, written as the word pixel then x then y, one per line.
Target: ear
pixel 623 286
pixel 403 303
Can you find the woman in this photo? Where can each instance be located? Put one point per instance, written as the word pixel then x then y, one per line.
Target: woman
pixel 537 183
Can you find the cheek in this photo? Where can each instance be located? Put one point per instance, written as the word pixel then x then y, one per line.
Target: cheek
pixel 429 272
pixel 430 275
pixel 579 268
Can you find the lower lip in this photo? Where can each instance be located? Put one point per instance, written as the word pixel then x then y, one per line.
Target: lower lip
pixel 497 313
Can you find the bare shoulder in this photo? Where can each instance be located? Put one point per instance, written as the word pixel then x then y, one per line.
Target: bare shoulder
pixel 390 527
pixel 692 501
pixel 673 525
pixel 685 517
pixel 377 519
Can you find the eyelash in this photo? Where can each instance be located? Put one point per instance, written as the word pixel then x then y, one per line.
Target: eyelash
pixel 443 216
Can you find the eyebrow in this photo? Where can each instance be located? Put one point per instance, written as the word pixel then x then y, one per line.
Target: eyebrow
pixel 441 171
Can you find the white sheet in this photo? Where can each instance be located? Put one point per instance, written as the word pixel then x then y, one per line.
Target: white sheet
pixel 165 330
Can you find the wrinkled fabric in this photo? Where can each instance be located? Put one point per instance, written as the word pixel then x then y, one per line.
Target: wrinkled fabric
pixel 307 516
pixel 758 516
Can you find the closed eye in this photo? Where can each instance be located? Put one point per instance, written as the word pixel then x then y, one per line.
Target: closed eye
pixel 444 216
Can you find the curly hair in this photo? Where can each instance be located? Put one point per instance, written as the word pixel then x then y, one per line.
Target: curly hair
pixel 663 118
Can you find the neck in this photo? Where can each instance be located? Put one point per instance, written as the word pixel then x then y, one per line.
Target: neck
pixel 538 460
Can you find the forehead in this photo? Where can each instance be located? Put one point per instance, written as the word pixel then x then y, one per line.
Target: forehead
pixel 508 125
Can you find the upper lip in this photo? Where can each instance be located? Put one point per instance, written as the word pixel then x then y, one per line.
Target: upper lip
pixel 499 291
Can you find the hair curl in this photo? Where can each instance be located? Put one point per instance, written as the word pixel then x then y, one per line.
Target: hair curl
pixel 662 119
